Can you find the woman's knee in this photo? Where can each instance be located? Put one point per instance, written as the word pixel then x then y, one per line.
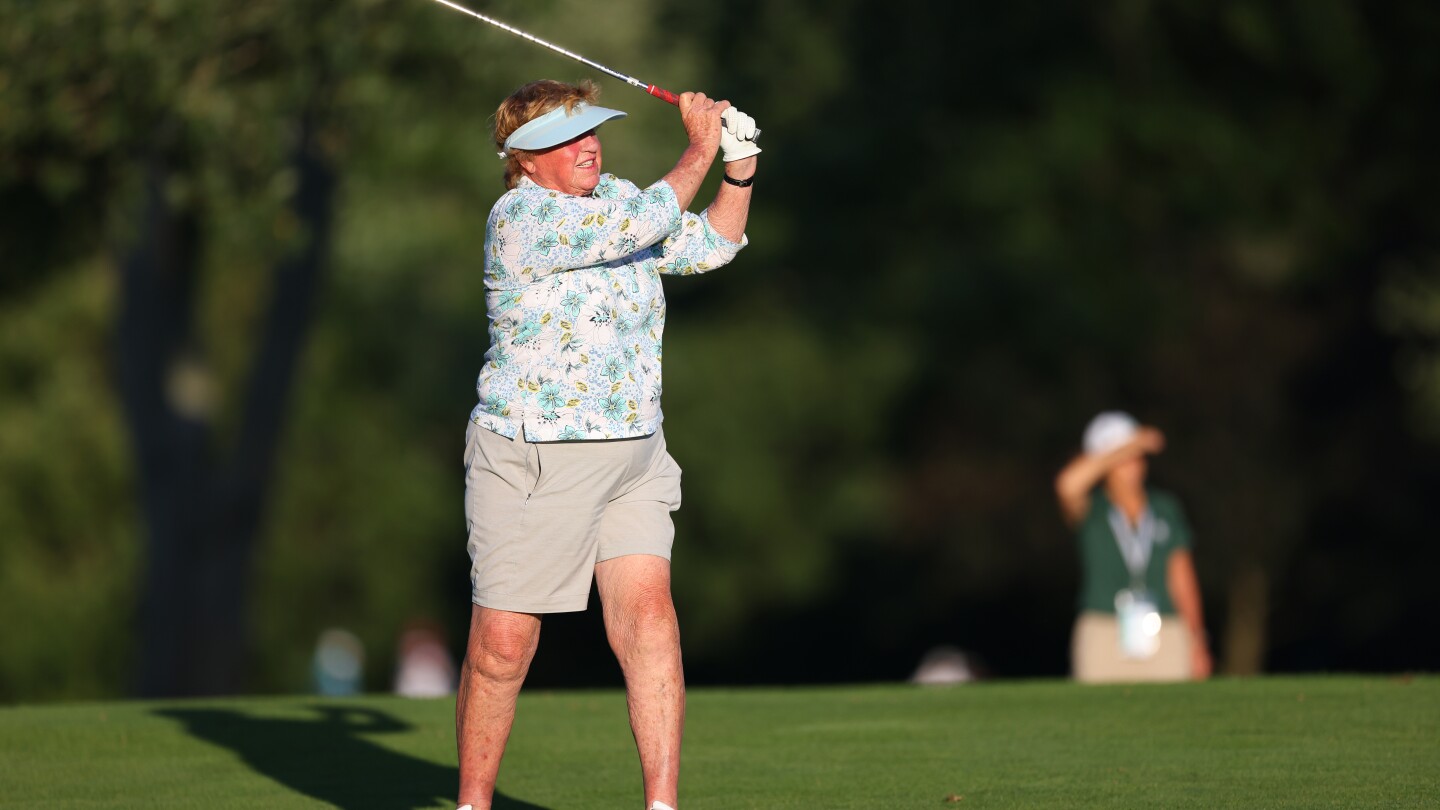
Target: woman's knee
pixel 502 644
pixel 646 617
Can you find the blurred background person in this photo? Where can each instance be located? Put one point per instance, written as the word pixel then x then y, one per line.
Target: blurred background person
pixel 1140 615
pixel 947 664
pixel 424 667
pixel 338 666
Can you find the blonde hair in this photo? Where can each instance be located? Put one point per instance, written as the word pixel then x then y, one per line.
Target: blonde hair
pixel 528 103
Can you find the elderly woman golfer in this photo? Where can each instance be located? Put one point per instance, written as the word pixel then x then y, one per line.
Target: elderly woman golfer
pixel 566 473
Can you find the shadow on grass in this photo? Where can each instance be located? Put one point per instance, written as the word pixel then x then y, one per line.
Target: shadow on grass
pixel 327 758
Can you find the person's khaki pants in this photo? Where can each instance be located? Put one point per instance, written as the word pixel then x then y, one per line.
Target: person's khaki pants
pixel 1095 652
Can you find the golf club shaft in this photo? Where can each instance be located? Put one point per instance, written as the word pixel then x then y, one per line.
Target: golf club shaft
pixel 658 92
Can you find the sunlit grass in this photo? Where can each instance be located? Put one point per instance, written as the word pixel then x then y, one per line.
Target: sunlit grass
pixel 1280 742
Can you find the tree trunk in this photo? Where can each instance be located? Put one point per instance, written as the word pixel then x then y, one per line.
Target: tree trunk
pixel 1245 628
pixel 203 514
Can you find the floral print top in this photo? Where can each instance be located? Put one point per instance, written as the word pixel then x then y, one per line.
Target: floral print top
pixel 576 307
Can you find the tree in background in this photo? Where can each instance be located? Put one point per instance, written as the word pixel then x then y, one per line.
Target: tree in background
pixel 205 141
pixel 203 156
pixel 1185 209
pixel 1192 205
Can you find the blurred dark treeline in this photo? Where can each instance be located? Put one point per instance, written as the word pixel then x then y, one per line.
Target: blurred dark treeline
pixel 241 314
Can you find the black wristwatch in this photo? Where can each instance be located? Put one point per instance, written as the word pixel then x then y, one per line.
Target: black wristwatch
pixel 741 183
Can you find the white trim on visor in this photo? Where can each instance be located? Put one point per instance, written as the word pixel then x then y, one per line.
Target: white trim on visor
pixel 556 127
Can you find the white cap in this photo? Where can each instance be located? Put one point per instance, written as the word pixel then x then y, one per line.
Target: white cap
pixel 1109 430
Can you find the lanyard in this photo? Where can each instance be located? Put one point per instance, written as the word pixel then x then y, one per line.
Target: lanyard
pixel 1135 543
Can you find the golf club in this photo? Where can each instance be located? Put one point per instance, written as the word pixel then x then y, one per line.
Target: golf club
pixel 656 91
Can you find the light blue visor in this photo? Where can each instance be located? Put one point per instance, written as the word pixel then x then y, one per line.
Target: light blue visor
pixel 556 127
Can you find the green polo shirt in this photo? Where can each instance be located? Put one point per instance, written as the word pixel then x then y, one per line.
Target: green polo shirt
pixel 1102 566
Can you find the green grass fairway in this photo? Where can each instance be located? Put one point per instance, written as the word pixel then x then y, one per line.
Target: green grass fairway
pixel 1278 742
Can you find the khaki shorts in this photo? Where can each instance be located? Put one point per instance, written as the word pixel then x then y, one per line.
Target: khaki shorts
pixel 540 515
pixel 1095 652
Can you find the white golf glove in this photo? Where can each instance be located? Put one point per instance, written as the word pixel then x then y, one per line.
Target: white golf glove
pixel 737 139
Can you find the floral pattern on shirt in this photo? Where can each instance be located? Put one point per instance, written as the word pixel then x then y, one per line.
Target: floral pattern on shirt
pixel 577 310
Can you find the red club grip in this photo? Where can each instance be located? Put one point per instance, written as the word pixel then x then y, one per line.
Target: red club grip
pixel 663 94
